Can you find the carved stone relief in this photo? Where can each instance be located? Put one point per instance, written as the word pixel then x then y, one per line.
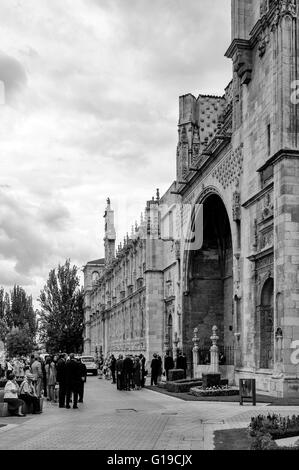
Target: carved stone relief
pixel 230 170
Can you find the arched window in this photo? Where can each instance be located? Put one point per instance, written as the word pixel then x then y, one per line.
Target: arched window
pixel 95 277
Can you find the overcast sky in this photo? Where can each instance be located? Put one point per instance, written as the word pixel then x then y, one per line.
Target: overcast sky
pixel 89 109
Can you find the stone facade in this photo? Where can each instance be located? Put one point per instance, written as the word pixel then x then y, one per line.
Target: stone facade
pixel 238 158
pixel 130 301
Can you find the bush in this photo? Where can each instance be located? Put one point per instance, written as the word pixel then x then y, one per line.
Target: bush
pixel 276 425
pixel 264 429
pixel 214 391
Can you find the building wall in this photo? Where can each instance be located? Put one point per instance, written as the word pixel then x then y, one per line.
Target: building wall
pixel 242 148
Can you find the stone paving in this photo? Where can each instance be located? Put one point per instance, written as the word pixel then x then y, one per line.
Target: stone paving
pixel 136 420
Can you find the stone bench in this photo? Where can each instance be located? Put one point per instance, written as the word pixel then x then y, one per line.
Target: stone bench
pixel 25 409
pixel 3 406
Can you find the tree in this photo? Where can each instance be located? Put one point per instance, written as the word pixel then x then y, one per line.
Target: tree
pixel 4 311
pixel 19 342
pixel 21 313
pixel 62 312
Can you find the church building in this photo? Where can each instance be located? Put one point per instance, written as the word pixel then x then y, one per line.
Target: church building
pixel 238 160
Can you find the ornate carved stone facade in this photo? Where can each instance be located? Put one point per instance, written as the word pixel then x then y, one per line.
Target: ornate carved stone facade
pixel 237 157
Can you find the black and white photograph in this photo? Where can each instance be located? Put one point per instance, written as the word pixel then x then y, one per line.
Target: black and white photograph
pixel 149 228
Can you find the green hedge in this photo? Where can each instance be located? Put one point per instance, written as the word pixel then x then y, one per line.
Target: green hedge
pixel 265 429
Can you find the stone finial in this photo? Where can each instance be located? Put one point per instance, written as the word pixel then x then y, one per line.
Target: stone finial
pixel 158 194
pixel 214 336
pixel 195 339
pixel 214 368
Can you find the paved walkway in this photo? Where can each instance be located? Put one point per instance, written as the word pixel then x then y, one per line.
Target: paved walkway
pixel 136 420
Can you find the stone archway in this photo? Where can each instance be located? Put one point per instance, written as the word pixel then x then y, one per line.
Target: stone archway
pixel 170 333
pixel 208 298
pixel 266 325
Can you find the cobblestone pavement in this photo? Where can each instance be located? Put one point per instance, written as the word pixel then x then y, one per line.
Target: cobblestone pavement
pixel 136 420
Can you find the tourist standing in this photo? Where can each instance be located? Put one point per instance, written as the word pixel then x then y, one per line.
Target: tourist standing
pixel 137 373
pixel 182 363
pixel 168 364
pixel 155 367
pixel 112 368
pixel 61 379
pixel 50 377
pixel 128 370
pixel 160 369
pixel 36 370
pixel 120 372
pixel 83 375
pixel 144 373
pixel 73 379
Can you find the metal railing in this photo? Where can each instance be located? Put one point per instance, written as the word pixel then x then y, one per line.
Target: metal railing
pixel 226 356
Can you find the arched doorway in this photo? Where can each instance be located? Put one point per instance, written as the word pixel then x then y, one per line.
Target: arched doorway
pixel 267 325
pixel 170 334
pixel 209 298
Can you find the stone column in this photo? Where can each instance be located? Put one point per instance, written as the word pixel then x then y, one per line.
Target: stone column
pixel 214 352
pixel 195 340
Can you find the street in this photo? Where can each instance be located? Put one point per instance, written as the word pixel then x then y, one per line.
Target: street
pixel 137 420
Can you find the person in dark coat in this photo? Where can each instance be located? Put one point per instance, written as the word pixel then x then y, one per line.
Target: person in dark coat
pixel 182 363
pixel 168 364
pixel 128 371
pixel 144 373
pixel 112 368
pixel 45 385
pixel 73 380
pixel 61 379
pixel 83 375
pixel 120 373
pixel 155 368
pixel 137 373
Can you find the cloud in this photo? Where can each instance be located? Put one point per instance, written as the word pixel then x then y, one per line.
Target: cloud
pixel 13 76
pixel 93 89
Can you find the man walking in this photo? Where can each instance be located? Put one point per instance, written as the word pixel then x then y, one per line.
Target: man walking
pixel 73 379
pixel 168 364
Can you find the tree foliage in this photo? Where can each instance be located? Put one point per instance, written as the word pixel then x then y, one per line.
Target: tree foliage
pixel 19 342
pixel 62 310
pixel 4 310
pixel 16 311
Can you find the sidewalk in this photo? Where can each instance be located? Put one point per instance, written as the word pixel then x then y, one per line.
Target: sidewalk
pixel 136 420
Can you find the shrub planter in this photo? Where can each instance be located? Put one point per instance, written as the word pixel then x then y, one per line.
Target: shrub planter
pixel 222 391
pixel 211 380
pixel 176 374
pixel 182 386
